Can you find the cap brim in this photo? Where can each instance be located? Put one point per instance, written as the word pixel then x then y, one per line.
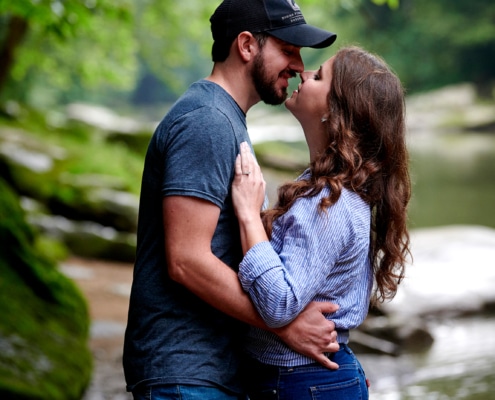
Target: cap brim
pixel 304 35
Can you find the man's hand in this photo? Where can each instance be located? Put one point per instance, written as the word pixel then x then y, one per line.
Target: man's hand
pixel 311 334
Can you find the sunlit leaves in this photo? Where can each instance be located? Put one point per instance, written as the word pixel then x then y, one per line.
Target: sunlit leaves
pixel 393 4
pixel 75 42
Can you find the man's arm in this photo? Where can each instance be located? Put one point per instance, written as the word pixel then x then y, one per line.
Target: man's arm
pixel 190 220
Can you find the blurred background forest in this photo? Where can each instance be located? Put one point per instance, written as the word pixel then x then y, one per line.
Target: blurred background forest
pixel 82 86
pixel 133 52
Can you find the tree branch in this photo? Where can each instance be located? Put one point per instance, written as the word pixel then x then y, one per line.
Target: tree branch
pixel 16 31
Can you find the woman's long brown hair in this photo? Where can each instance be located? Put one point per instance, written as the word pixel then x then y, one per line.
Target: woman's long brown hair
pixel 366 153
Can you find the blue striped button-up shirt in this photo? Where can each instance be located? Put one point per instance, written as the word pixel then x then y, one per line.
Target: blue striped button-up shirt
pixel 312 255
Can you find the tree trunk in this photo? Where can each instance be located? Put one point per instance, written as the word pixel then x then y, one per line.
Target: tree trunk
pixel 17 28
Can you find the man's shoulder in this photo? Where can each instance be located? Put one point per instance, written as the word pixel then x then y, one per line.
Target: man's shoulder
pixel 204 93
pixel 207 100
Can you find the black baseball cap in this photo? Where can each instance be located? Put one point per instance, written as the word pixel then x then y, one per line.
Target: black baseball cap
pixel 279 18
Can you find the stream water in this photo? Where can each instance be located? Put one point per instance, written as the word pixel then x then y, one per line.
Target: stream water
pixel 459 365
pixel 453 183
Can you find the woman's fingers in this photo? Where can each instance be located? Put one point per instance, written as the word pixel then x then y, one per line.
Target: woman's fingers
pixel 245 163
pixel 248 188
pixel 249 165
pixel 246 159
pixel 238 165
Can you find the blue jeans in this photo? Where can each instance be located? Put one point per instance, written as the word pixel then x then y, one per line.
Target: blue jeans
pixel 308 382
pixel 183 392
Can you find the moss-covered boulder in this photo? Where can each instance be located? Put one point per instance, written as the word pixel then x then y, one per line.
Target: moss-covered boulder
pixel 98 211
pixel 44 324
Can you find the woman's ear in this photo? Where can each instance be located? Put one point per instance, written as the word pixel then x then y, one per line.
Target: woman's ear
pixel 247 46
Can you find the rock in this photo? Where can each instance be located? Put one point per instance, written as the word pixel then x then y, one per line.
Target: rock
pixel 453 107
pixel 105 119
pixel 88 239
pixel 362 342
pixel 116 208
pixel 44 328
pixel 452 273
pixel 392 336
pixel 415 337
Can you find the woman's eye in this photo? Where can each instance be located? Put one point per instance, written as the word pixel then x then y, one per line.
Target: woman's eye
pixel 316 77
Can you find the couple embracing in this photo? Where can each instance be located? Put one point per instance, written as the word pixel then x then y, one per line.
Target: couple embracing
pixel 230 299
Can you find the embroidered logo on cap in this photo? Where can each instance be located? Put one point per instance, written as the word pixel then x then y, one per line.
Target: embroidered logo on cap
pixel 293 4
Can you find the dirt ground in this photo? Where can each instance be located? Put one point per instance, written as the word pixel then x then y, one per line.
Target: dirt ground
pixel 106 286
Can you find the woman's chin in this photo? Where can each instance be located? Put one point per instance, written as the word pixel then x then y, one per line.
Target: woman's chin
pixel 289 102
pixel 291 106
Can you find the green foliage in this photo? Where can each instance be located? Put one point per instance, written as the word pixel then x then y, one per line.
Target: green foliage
pixel 173 37
pixel 51 248
pixel 393 4
pixel 45 323
pixel 100 50
pixel 82 43
pixel 429 44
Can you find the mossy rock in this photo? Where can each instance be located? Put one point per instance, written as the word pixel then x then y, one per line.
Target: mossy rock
pixel 44 327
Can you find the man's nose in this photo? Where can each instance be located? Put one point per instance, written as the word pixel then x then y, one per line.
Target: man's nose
pixel 297 64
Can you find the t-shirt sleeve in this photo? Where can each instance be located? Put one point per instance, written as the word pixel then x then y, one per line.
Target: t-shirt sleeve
pixel 200 154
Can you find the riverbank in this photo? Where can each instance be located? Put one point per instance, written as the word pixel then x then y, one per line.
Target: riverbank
pixel 106 285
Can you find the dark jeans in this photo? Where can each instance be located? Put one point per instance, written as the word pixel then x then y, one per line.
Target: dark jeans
pixel 308 382
pixel 183 392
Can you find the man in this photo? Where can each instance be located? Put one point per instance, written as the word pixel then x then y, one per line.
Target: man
pixel 184 333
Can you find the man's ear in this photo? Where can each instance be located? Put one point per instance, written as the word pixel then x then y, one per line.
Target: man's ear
pixel 247 46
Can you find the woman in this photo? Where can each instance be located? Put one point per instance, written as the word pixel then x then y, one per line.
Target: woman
pixel 334 232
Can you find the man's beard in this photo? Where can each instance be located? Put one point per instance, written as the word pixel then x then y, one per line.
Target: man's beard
pixel 265 86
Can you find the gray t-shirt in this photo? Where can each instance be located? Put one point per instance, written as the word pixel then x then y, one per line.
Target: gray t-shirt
pixel 173 337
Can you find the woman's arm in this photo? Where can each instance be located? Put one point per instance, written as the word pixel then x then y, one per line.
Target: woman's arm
pixel 282 283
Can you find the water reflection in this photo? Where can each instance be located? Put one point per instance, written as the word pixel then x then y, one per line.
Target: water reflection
pixel 453 179
pixel 460 365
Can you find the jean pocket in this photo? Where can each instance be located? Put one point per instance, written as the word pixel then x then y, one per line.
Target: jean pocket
pixel 265 394
pixel 346 390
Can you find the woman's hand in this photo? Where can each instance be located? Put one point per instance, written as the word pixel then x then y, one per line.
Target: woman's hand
pixel 248 188
pixel 248 195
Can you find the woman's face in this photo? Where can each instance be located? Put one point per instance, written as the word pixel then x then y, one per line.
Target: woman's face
pixel 309 102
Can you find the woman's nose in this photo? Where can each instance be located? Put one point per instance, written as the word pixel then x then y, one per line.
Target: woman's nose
pixel 304 75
